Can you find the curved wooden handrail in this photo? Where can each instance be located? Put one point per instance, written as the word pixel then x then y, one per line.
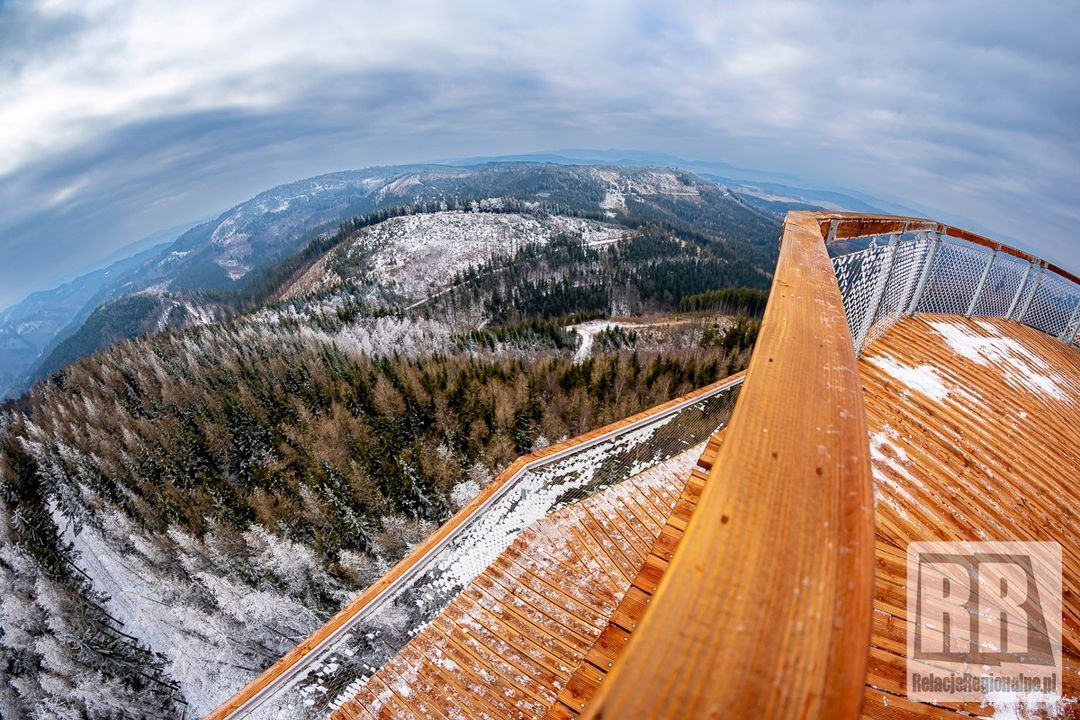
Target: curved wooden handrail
pixel 765 610
pixel 852 225
pixel 275 672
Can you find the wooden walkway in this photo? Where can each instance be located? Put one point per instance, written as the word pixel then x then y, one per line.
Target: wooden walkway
pixel 786 597
pixel 607 648
pixel 520 638
pixel 992 458
pixel 967 444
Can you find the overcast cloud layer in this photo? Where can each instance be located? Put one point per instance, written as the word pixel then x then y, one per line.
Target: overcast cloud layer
pixel 118 119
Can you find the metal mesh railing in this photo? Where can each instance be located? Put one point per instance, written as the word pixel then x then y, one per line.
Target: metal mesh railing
pixel 883 277
pixel 384 626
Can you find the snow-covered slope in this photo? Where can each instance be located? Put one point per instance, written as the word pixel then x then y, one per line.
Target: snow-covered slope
pixel 408 258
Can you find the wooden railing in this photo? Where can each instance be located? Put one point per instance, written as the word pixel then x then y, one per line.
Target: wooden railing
pixel 765 609
pixel 841 225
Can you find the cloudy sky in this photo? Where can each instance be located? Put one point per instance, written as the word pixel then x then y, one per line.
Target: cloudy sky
pixel 120 118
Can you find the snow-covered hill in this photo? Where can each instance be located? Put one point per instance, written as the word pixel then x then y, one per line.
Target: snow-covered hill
pixel 227 253
pixel 411 257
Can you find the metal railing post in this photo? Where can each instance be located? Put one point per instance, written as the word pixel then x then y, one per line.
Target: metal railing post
pixel 1073 324
pixel 982 282
pixel 1019 291
pixel 834 225
pixel 928 264
pixel 879 293
pixel 1021 312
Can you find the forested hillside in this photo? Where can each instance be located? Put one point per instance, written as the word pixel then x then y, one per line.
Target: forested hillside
pixel 247 480
pixel 239 256
pixel 178 510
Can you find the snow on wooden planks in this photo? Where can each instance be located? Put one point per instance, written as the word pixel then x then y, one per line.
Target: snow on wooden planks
pixel 974 435
pixel 606 650
pixel 511 642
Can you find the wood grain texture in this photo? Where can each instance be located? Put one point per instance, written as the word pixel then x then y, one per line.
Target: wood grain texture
pixel 765 609
pixel 607 649
pixel 268 677
pixel 995 458
pixel 519 637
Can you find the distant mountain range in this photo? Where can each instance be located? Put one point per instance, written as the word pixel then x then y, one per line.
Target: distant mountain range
pixel 315 380
pixel 179 282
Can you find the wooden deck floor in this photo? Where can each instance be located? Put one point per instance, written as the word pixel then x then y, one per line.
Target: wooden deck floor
pixel 609 645
pixel 974 435
pixel 515 642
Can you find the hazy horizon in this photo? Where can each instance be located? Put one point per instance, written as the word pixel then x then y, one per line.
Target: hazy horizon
pixel 114 133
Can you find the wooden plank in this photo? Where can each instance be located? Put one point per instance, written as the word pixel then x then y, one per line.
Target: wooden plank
pixel 771 586
pixel 512 642
pixel 616 636
pixel 881 705
pixel 995 458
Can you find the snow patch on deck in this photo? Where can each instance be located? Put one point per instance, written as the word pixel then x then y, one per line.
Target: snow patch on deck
pixel 1019 706
pixel 1019 366
pixel 923 378
pixel 886 454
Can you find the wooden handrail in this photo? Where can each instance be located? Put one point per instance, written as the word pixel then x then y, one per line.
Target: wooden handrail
pixel 765 610
pixel 271 675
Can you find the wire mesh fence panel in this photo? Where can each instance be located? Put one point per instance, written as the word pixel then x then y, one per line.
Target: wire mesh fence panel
pixel 1052 305
pixel 953 278
pixel 385 626
pixel 904 272
pixel 881 282
pixel 1001 287
pixel 858 274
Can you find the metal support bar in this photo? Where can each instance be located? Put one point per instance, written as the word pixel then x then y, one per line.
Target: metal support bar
pixel 1019 291
pixel 913 273
pixel 879 293
pixel 1020 313
pixel 1071 328
pixel 982 282
pixel 928 264
pixel 834 225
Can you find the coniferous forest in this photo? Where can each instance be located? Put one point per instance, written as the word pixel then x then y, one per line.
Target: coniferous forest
pixel 178 510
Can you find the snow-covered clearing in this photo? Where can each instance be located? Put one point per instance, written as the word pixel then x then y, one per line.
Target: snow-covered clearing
pixel 589 330
pixel 415 255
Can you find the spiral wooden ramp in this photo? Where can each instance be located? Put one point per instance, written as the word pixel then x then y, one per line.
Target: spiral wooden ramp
pixel 911 381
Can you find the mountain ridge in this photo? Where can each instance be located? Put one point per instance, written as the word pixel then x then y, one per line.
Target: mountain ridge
pixel 189 502
pixel 221 254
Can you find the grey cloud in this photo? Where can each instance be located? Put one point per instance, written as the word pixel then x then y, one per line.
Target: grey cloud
pixel 967 107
